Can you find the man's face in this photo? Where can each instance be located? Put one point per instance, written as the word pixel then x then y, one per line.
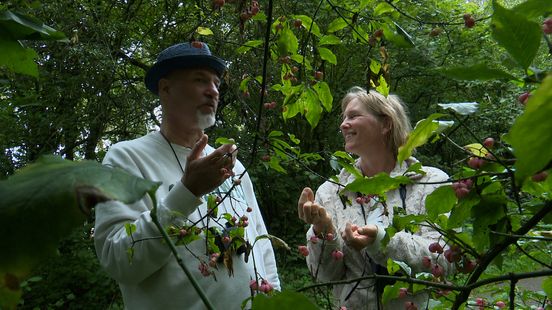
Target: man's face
pixel 190 95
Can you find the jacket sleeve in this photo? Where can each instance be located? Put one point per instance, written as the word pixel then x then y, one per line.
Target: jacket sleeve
pixel 113 244
pixel 263 248
pixel 407 247
pixel 320 261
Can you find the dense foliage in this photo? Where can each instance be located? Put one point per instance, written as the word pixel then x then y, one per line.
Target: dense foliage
pixel 77 89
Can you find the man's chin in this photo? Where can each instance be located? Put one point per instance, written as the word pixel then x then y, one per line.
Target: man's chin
pixel 205 120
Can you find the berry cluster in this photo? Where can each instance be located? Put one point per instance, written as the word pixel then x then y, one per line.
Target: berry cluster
pixel 265 286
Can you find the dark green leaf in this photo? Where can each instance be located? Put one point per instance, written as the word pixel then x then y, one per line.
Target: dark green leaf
pixel 440 201
pixel 547 287
pixel 309 24
pixel 45 200
pixel 337 24
pixel 283 300
pixel 481 72
pixel 17 26
pixel 329 40
pixel 462 211
pixel 248 45
pixel 518 35
pixel 531 133
pixel 17 58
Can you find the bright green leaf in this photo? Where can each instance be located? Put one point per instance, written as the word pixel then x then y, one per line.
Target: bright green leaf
pixel 383 87
pixel 533 8
pixel 223 140
pixel 324 94
pixel 375 66
pixel 204 31
pixel 313 110
pixel 329 40
pixel 383 8
pixel 287 42
pixel 421 133
pixel 531 133
pixel 518 35
pixel 547 287
pixel 327 55
pixel 337 24
pixel 376 185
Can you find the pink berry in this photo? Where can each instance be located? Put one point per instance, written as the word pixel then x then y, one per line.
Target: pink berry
pixel 329 236
pixel 204 269
pixel 437 270
pixel 435 247
pixel 426 262
pixel 408 305
pixel 337 254
pixel 303 250
pixel 469 266
pixel 253 285
pixel 500 304
pixel 539 177
pixel 524 97
pixel 462 192
pixel 480 301
pixel 476 162
pixel 314 239
pixel 265 286
pixel 547 26
pixel 403 292
pixel 359 200
pixel 182 233
pixel 249 209
pixel 226 240
pixel 489 142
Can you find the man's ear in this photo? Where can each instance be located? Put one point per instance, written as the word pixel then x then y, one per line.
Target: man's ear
pixel 164 86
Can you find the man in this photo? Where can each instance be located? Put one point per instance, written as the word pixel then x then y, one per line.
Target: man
pixel 186 77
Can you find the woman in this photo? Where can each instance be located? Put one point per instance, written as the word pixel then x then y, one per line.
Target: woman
pixel 353 226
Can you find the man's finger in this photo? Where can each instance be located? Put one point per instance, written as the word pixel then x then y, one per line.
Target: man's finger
pixel 198 148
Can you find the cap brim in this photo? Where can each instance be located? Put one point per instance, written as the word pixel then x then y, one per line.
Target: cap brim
pixel 161 69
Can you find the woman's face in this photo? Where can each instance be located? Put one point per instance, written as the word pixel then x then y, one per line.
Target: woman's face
pixel 361 130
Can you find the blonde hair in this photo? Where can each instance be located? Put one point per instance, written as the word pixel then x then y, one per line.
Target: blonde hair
pixel 390 107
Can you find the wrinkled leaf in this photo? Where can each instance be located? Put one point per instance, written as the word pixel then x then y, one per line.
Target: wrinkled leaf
pixel 462 108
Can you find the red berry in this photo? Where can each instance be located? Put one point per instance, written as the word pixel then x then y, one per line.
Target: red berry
pixel 469 23
pixel 476 162
pixel 359 200
pixel 265 286
pixel 337 254
pixel 182 233
pixel 403 292
pixel 469 266
pixel 539 177
pixel 319 75
pixel 524 97
pixel 480 301
pixel 249 209
pixel 197 44
pixel 303 250
pixel 226 240
pixel 489 142
pixel 254 10
pixel 204 269
pixel 435 32
pixel 297 23
pixel 500 304
pixel 378 33
pixel 314 239
pixel 426 262
pixel 462 192
pixel 435 247
pixel 408 305
pixel 265 157
pixel 329 236
pixel 237 181
pixel 466 16
pixel 253 285
pixel 547 25
pixel 217 4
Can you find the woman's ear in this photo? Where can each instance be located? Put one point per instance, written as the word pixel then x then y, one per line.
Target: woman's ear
pixel 387 125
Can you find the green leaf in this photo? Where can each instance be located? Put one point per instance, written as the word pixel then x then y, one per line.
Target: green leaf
pixel 324 94
pixel 547 287
pixel 337 24
pixel 531 133
pixel 309 24
pixel 375 66
pixel 383 87
pixel 204 31
pixel 486 213
pixel 462 211
pixel 287 42
pixel 313 110
pixel 223 140
pixel 440 201
pixel 130 229
pixel 462 108
pixel 518 35
pixel 376 185
pixel 481 72
pixel 383 8
pixel 533 8
pixel 17 26
pixel 17 58
pixel 284 300
pixel 329 40
pixel 46 200
pixel 327 55
pixel 421 133
pixel 248 45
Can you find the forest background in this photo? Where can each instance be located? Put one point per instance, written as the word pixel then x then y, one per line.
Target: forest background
pixel 76 90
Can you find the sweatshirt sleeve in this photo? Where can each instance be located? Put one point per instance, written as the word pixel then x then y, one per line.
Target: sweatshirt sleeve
pixel 113 244
pixel 320 261
pixel 407 247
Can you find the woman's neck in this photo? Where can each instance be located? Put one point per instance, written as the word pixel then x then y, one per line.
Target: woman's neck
pixel 376 163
